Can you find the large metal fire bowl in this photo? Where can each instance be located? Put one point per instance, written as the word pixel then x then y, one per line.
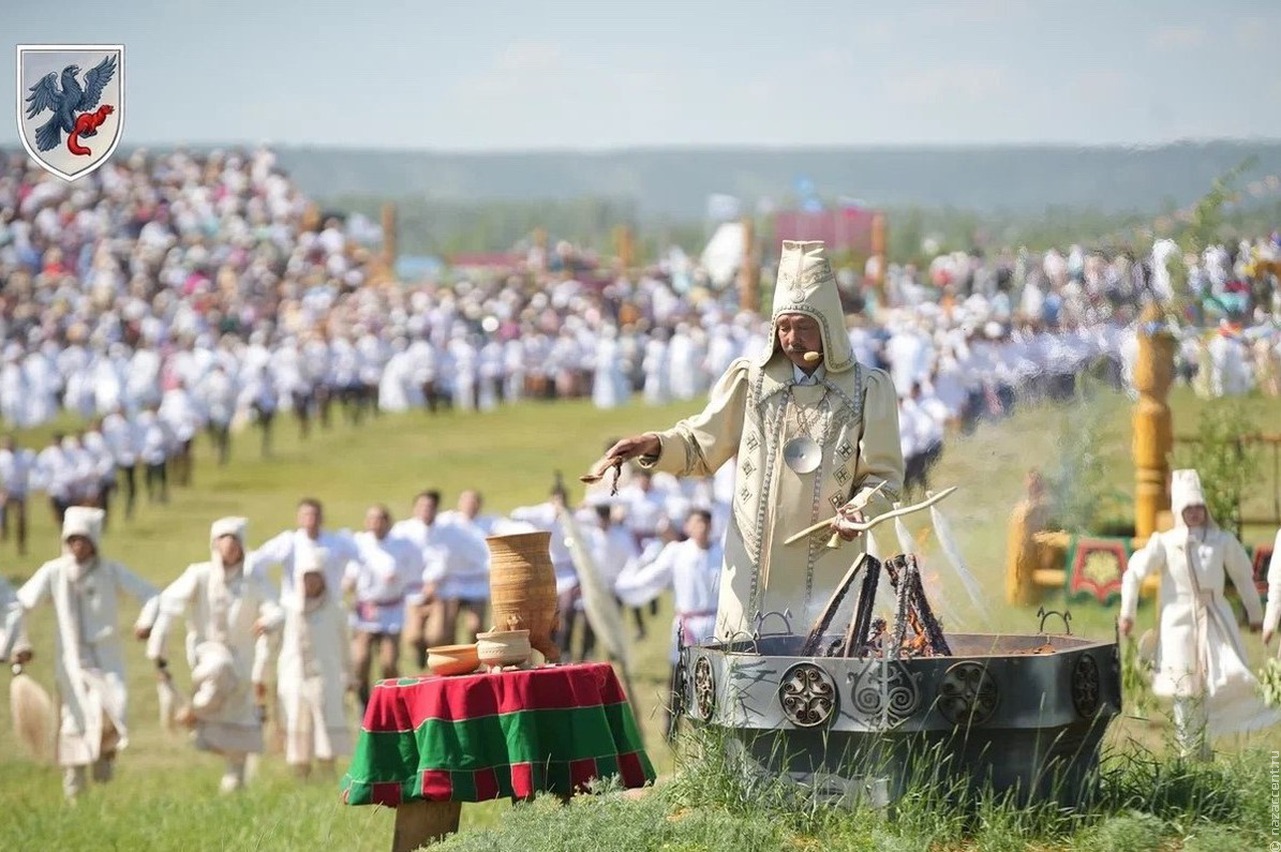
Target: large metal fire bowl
pixel 1023 714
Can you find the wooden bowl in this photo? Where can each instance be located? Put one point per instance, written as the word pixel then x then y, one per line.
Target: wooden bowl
pixel 500 648
pixel 446 660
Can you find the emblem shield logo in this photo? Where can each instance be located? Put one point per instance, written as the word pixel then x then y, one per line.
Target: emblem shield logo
pixel 71 100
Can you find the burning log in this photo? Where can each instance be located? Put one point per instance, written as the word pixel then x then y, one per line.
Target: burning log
pixel 914 609
pixel 829 612
pixel 916 631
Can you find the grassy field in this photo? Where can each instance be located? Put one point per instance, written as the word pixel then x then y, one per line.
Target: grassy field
pixel 165 795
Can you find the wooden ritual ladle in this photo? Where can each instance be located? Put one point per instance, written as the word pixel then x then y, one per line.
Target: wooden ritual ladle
pixel 597 473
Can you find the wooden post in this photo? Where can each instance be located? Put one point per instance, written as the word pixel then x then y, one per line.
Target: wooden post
pixel 1153 426
pixel 880 251
pixel 1022 552
pixel 311 217
pixel 389 235
pixel 540 243
pixel 624 247
pixel 749 273
pixel 421 823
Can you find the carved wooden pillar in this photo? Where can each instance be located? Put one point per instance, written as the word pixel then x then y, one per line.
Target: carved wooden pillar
pixel 880 250
pixel 1153 427
pixel 389 235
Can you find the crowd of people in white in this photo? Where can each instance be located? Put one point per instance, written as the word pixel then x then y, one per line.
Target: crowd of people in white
pixel 176 294
pixel 313 606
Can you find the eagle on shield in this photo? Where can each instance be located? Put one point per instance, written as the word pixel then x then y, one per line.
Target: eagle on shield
pixel 75 108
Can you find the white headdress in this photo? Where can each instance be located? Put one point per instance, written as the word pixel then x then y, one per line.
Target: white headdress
pixel 805 285
pixel 1186 491
pixel 85 521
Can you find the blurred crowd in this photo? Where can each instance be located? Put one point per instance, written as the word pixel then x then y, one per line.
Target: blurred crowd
pixel 169 295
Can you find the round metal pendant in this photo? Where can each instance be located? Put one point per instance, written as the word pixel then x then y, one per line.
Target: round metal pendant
pixel 802 454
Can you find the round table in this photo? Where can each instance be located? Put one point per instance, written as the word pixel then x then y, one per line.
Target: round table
pixel 428 744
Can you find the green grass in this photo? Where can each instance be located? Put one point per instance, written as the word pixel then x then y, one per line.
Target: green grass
pixel 165 795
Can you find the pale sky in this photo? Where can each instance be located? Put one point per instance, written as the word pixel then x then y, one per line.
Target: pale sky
pixel 608 74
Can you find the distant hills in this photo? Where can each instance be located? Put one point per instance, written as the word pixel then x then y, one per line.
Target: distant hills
pixel 676 183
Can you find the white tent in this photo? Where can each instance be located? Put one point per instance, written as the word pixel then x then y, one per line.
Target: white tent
pixel 723 254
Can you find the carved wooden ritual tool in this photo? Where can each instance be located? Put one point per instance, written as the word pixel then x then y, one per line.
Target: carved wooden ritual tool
pixel 597 473
pixel 930 500
pixel 858 504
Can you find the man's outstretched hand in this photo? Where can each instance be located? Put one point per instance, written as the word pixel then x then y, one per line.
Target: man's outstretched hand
pixel 633 447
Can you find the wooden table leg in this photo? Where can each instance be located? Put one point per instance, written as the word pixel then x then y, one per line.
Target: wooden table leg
pixel 421 823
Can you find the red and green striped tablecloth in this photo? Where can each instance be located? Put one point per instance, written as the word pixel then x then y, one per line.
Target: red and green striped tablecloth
pixel 486 736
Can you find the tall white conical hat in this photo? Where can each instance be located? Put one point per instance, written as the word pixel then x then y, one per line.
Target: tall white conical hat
pixel 1185 491
pixel 806 285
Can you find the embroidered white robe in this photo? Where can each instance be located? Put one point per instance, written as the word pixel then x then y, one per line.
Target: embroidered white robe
pixel 750 415
pixel 89 654
pixel 222 613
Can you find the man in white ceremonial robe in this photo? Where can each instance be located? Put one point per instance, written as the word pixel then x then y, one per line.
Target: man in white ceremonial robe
pixel 468 513
pixel 314 668
pixel 656 386
pixel 218 400
pixel 55 474
pixel 1200 659
pixel 466 374
pixel 125 440
pixel 514 370
pixel 155 444
pixel 692 570
pixel 1229 367
pixel 609 384
pixel 17 465
pixel 489 375
pixel 14 396
pixel 420 612
pixel 289 549
pixel 682 355
pixel 811 430
pixel 84 588
pixel 226 610
pixel 286 549
pixel 387 571
pixel 182 413
pixel 646 507
pixel 459 582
